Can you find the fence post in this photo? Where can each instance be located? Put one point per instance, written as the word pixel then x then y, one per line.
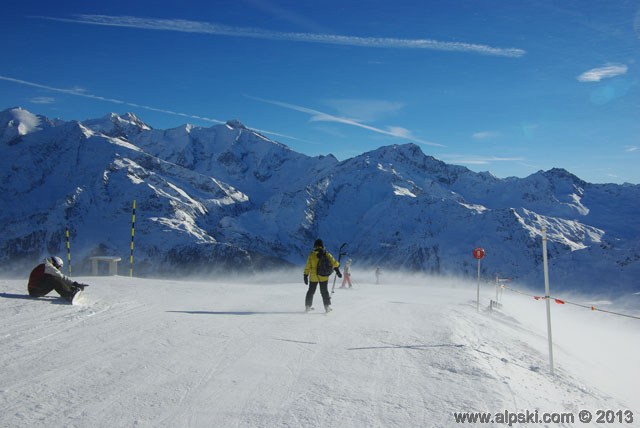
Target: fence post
pixel 133 225
pixel 68 250
pixel 478 254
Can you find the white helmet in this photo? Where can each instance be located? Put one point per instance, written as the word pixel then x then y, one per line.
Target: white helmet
pixel 56 261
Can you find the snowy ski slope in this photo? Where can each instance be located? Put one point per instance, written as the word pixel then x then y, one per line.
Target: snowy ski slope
pixel 165 353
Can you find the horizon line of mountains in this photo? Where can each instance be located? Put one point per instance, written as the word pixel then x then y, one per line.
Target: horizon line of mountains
pixel 227 198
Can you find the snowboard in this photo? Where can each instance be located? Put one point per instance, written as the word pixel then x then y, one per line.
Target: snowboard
pixel 75 300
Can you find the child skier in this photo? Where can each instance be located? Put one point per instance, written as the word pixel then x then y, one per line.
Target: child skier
pixel 347 274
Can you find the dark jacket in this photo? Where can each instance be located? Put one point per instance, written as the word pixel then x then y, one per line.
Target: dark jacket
pixel 43 277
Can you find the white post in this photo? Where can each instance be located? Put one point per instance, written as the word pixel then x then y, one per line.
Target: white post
pixel 478 297
pixel 546 293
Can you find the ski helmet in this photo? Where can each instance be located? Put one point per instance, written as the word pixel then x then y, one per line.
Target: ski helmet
pixel 318 244
pixel 56 261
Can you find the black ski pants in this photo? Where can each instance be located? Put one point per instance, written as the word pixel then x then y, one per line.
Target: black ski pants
pixel 326 298
pixel 49 283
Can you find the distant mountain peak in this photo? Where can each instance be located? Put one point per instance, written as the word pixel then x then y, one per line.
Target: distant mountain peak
pixel 562 173
pixel 17 116
pixel 116 125
pixel 129 119
pixel 236 124
pixel 17 122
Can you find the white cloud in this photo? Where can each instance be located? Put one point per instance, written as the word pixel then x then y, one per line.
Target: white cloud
pixel 608 71
pixel 399 131
pixel 42 100
pixel 365 110
pixel 478 160
pixel 632 149
pixel 224 30
pixel 318 116
pixel 483 135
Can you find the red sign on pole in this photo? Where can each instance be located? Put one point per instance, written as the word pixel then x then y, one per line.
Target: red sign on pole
pixel 478 253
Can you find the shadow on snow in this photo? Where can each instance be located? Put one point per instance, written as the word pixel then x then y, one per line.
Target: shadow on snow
pixel 238 312
pixel 55 300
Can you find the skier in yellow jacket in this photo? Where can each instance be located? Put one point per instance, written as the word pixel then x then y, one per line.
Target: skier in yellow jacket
pixel 313 275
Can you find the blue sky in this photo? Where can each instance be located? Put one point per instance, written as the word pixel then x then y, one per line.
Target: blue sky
pixel 500 86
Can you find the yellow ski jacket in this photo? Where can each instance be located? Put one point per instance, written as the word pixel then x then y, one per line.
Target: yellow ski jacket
pixel 311 267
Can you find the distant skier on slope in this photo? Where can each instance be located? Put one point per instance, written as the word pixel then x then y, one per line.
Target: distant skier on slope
pixel 315 272
pixel 47 276
pixel 347 275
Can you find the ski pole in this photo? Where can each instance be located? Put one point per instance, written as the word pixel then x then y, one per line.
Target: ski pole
pixel 340 254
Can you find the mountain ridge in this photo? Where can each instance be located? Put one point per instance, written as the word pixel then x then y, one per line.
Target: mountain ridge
pixel 229 198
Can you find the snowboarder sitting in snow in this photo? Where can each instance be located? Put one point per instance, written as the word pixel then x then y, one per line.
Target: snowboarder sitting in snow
pixel 47 276
pixel 314 267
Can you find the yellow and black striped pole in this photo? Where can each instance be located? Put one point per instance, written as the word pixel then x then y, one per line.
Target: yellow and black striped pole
pixel 133 226
pixel 68 251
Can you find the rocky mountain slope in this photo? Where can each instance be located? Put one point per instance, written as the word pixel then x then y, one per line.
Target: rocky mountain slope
pixel 229 198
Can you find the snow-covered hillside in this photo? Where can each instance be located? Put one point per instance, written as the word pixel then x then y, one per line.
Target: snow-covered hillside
pixel 410 352
pixel 228 198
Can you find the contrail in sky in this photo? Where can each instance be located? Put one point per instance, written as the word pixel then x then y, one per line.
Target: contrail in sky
pixel 186 26
pixel 81 93
pixel 319 116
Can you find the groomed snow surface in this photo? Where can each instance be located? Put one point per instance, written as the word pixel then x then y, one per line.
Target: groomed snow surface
pixel 409 352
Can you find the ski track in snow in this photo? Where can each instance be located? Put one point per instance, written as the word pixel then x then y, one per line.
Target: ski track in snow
pixel 163 353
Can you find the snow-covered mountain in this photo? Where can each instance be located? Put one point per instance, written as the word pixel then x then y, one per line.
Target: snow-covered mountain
pixel 227 197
